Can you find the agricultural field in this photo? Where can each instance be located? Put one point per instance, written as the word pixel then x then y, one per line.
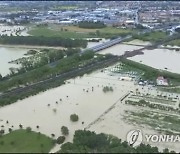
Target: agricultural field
pixel 45 31
pixel 23 141
pixel 161 122
pixel 157 112
pixel 76 32
pixel 170 89
pixel 123 68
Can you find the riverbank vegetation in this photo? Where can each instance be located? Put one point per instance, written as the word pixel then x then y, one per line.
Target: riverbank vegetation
pixel 174 42
pixel 22 141
pixel 152 37
pixel 90 142
pixel 43 41
pixel 41 58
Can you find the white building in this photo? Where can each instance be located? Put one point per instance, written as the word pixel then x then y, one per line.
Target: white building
pixel 161 81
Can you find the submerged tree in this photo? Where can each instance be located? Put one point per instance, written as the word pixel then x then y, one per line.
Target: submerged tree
pixel 64 130
pixel 74 117
pixel 60 139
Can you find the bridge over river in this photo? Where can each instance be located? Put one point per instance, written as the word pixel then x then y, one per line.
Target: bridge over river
pixel 108 44
pixel 134 52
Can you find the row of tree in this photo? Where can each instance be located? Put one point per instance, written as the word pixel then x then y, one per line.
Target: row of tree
pixel 41 40
pixel 91 24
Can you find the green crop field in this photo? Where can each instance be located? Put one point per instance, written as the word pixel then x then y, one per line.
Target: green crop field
pixel 76 32
pixel 43 31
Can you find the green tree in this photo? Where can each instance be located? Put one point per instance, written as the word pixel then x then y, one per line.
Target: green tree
pixel 64 130
pixel 90 142
pixel 60 139
pixel 142 101
pixel 28 129
pixel 74 117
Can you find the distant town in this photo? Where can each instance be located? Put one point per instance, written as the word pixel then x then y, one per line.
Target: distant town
pixel 164 14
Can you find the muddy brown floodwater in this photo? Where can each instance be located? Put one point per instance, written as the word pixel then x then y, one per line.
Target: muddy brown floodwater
pixel 9 54
pixel 80 98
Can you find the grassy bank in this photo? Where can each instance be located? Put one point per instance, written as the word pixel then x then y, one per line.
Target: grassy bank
pixel 22 141
pixel 152 37
pixel 174 42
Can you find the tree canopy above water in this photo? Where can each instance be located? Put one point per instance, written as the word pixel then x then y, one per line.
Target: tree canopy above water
pixel 90 142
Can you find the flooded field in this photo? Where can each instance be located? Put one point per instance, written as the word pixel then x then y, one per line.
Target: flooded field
pixel 8 54
pixel 83 96
pixel 98 110
pixel 87 104
pixel 164 59
pixel 160 58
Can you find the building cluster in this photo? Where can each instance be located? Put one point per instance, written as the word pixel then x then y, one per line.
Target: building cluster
pixel 159 17
pixel 125 13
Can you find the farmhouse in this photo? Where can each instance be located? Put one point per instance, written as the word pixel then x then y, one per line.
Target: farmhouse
pixel 161 81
